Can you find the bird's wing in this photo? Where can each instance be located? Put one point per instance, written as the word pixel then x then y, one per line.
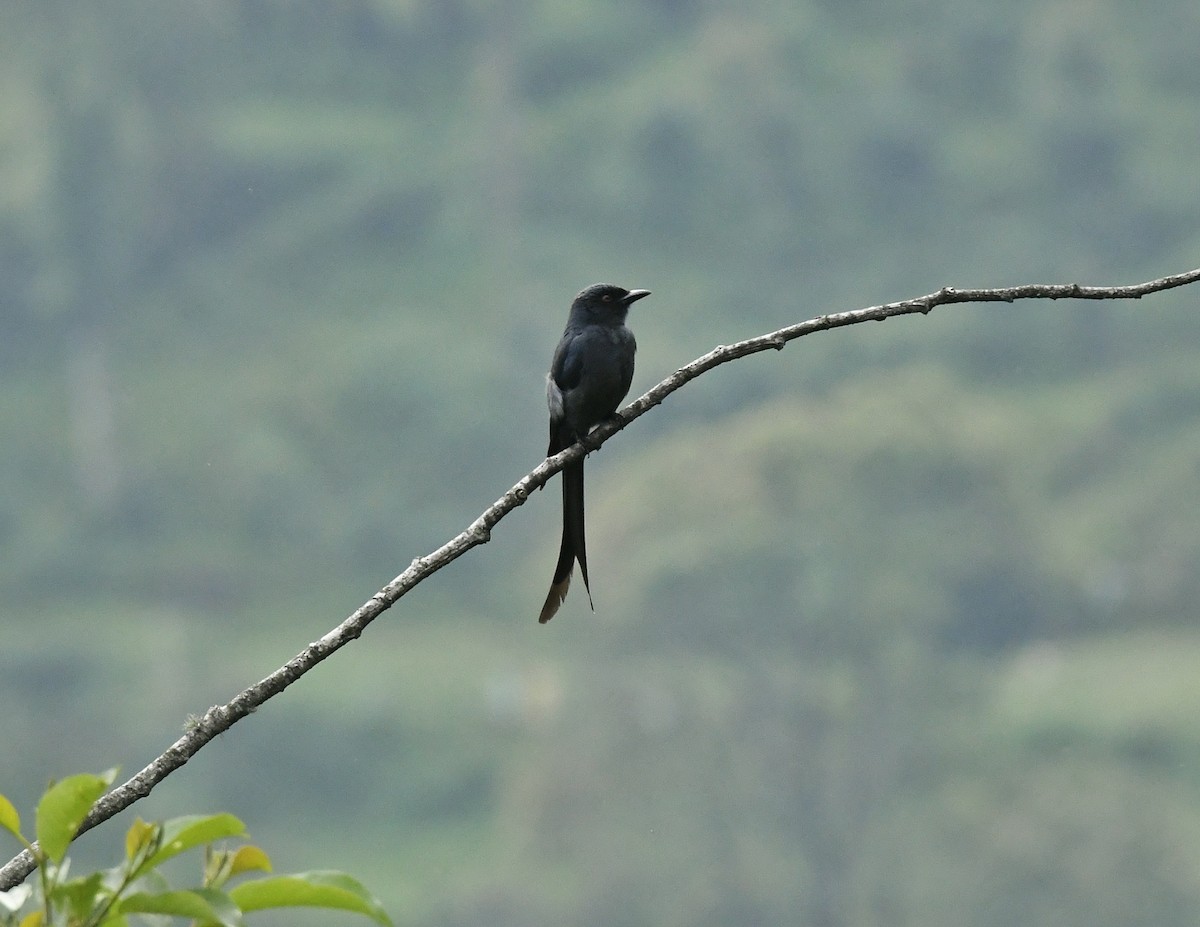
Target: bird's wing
pixel 566 370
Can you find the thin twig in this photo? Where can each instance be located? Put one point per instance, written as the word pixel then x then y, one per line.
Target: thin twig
pixel 221 717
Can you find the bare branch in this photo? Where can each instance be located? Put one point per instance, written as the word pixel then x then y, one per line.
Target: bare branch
pixel 221 717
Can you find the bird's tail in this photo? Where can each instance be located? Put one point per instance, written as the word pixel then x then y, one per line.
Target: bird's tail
pixel 573 519
pixel 573 546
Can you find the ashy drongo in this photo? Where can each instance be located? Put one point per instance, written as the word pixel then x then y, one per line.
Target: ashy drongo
pixel 588 378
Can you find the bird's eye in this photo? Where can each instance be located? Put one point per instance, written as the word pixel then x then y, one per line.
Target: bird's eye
pixel 607 297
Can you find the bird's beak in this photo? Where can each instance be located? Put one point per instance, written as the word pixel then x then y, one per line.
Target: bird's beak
pixel 635 295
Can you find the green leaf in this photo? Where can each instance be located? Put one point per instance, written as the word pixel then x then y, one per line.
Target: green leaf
pixel 63 808
pixel 183 833
pixel 138 837
pixel 198 904
pixel 310 890
pixel 80 897
pixel 249 859
pixel 9 819
pixel 149 883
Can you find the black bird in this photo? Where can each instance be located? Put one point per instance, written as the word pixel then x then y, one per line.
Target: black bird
pixel 588 378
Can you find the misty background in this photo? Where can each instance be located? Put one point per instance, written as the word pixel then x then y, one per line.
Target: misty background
pixel 895 627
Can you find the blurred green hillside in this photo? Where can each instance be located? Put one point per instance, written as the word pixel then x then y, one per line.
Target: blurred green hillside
pixel 894 627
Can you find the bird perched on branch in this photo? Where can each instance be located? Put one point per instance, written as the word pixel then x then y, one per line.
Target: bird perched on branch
pixel 588 378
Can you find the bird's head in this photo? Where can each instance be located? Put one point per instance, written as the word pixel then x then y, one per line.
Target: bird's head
pixel 606 302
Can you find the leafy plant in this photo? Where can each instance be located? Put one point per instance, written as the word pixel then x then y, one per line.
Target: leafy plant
pixel 136 886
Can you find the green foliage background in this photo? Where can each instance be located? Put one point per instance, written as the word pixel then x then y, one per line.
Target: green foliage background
pixel 895 627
